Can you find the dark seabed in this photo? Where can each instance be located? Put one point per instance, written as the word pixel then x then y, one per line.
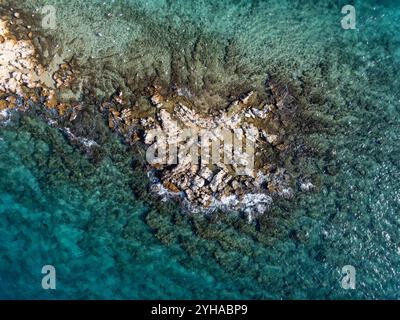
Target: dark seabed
pixel 91 215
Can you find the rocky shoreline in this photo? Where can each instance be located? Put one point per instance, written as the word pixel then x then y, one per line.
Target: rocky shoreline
pixel 264 119
pixel 24 80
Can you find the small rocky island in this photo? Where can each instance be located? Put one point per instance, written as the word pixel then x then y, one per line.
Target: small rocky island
pixel 203 186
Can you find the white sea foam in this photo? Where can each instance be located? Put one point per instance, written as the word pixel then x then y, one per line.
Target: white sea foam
pixel 84 141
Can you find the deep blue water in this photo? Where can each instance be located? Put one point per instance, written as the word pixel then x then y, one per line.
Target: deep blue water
pixel 107 239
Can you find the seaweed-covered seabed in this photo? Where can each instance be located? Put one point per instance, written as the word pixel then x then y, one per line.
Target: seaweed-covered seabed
pixel 59 208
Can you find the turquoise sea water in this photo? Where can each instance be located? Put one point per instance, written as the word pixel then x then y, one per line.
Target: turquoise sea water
pixel 108 239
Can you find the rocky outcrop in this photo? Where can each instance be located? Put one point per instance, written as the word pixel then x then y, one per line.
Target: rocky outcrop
pixel 199 163
pixel 18 66
pixel 23 79
pixel 227 158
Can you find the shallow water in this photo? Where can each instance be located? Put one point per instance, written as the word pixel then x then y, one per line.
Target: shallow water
pixel 95 222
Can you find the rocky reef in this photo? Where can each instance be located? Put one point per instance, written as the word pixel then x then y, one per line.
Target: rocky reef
pixel 233 157
pixel 196 166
